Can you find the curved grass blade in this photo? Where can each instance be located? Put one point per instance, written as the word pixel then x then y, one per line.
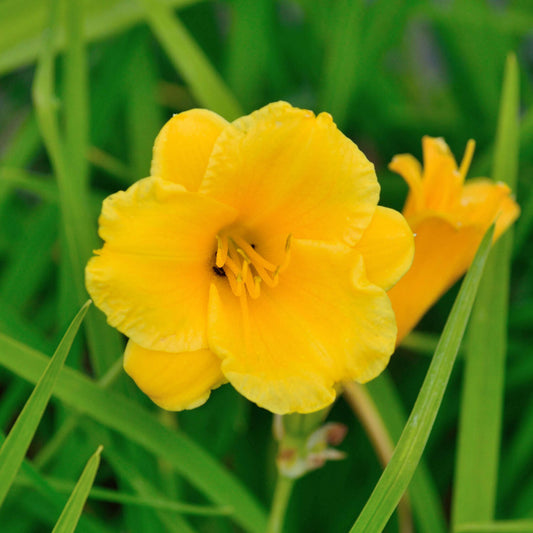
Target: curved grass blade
pixel 162 504
pixel 67 154
pixel 396 477
pixel 74 507
pixel 423 493
pixel 29 476
pixel 17 442
pixel 190 61
pixel 121 414
pixel 476 473
pixel 21 45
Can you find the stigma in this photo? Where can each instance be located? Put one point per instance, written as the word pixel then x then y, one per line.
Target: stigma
pixel 245 268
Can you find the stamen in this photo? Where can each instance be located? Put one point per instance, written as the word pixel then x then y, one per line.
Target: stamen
pixel 222 250
pixel 245 268
pixel 285 263
pixel 236 289
pixel 232 266
pixel 467 158
pixel 240 285
pixel 253 284
pixel 265 276
pixel 252 254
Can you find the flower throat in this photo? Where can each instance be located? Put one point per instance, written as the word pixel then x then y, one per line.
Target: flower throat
pixel 244 268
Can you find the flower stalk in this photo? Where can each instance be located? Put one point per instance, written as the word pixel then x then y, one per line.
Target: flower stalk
pixel 280 502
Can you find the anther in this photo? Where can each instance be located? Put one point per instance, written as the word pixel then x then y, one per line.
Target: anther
pixel 222 251
pixel 252 254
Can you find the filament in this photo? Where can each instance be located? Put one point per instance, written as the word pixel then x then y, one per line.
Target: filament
pixel 245 268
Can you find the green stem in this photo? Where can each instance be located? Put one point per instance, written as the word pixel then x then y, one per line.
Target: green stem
pixel 280 501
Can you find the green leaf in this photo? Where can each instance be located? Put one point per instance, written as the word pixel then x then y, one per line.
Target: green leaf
pixel 19 283
pixel 423 494
pixel 505 165
pixel 160 503
pixel 251 43
pixel 67 158
pixel 476 473
pixel 472 61
pixel 146 488
pixel 190 61
pixel 71 513
pixel 144 117
pixel 17 442
pixel 76 97
pixel 398 473
pixel 356 49
pixel 14 324
pixel 21 36
pixel 29 476
pixel 341 69
pixel 134 422
pixel 510 526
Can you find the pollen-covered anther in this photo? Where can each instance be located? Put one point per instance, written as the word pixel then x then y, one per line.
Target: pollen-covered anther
pixel 245 268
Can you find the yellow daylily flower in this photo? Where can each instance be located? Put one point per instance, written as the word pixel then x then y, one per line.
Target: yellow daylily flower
pixel 255 254
pixel 449 219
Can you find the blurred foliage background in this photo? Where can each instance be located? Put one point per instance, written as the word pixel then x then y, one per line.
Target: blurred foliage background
pixel 388 71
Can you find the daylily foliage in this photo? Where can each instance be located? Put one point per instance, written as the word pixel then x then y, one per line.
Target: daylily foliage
pixel 255 254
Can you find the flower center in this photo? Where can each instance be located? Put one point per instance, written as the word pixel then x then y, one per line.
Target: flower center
pixel 245 268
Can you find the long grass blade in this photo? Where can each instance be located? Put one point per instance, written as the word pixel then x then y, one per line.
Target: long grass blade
pixel 342 60
pixel 78 223
pixel 76 96
pixel 508 526
pixel 146 488
pixel 74 507
pixel 396 477
pixel 160 503
pixel 17 442
pixel 189 60
pixel 423 493
pixel 476 474
pixel 29 476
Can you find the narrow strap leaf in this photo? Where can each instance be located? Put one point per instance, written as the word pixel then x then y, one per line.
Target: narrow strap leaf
pixel 396 477
pixel 71 513
pixel 17 442
pixel 189 60
pixel 476 474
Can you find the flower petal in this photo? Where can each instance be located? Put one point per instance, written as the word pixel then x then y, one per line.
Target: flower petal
pixel 174 381
pixel 152 276
pixel 324 323
pixel 289 172
pixel 442 255
pixel 387 247
pixel 183 147
pixel 482 201
pixel 410 170
pixel 442 181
